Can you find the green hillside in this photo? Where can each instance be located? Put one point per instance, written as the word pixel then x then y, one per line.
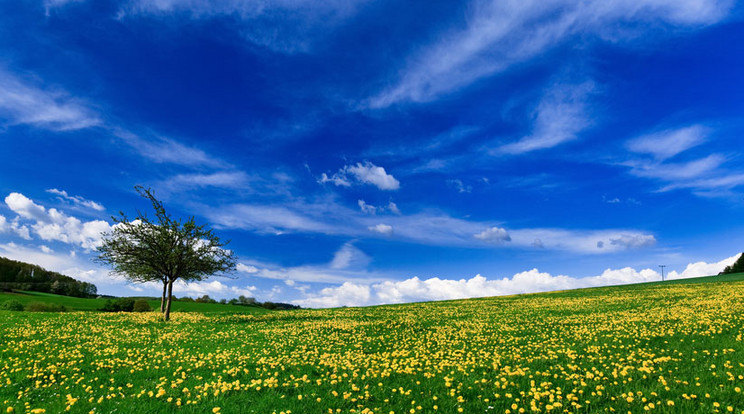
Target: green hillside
pixel 672 347
pixel 84 304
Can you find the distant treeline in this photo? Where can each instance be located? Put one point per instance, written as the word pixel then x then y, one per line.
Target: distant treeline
pixel 25 276
pixel 242 301
pixel 737 267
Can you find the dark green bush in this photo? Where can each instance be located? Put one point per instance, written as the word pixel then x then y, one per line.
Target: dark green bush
pixel 45 307
pixel 11 305
pixel 141 305
pixel 118 305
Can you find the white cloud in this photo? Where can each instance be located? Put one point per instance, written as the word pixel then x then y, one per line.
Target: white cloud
pixel 214 288
pixel 415 289
pixel 381 228
pixel 325 216
pixel 287 26
pixel 366 173
pixel 634 240
pixel 77 200
pixel 349 257
pixel 668 143
pixel 165 150
pixel 220 179
pixel 678 171
pixel 459 186
pixel 23 102
pixel 54 4
pixel 393 208
pixel 25 207
pixel 53 224
pixel 366 208
pixel 498 34
pixel 348 294
pixel 558 118
pixel 348 264
pixel 493 235
pixel 705 176
pixel 246 268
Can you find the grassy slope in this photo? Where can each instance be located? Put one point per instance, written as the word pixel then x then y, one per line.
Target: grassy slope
pixel 83 304
pixel 676 345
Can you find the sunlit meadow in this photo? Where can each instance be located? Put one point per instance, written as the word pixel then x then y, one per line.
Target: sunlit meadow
pixel 653 347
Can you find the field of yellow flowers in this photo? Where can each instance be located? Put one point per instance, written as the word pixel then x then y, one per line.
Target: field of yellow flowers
pixel 657 348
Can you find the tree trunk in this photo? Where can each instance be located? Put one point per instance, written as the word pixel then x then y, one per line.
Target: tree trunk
pixel 166 317
pixel 162 299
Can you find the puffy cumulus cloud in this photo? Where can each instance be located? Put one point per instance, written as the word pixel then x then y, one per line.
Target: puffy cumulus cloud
pixel 366 208
pixel 363 173
pixel 698 269
pixel 493 235
pixel 25 207
pixel 76 200
pixel 415 289
pixel 250 269
pixel 348 294
pixel 214 288
pixel 381 228
pixel 370 209
pixel 53 224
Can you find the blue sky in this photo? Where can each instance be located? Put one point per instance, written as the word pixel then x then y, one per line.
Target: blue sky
pixel 363 152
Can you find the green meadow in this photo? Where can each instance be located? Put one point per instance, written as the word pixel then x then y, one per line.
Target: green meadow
pixel 672 347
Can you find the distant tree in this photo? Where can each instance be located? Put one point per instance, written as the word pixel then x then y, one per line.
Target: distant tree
pixel 205 299
pixel 737 267
pixel 141 305
pixel 163 249
pixel 242 300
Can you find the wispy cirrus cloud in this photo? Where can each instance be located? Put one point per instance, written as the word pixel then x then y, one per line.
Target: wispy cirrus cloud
pixel 286 26
pixel 499 34
pixel 326 216
pixel 561 114
pixel 76 200
pixel 706 176
pixel 27 102
pixel 668 143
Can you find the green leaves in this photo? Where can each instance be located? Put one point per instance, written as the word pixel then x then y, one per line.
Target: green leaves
pixel 163 249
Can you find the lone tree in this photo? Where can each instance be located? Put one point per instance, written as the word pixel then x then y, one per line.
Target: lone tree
pixel 163 250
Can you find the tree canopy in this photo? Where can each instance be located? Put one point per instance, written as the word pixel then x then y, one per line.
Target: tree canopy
pixel 737 267
pixel 163 249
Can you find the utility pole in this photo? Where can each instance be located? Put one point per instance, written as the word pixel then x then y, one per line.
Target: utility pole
pixel 662 272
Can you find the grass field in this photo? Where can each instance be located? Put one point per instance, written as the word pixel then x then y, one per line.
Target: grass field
pixel 84 304
pixel 671 347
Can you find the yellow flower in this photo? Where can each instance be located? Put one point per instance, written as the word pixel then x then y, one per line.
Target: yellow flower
pixel 216 410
